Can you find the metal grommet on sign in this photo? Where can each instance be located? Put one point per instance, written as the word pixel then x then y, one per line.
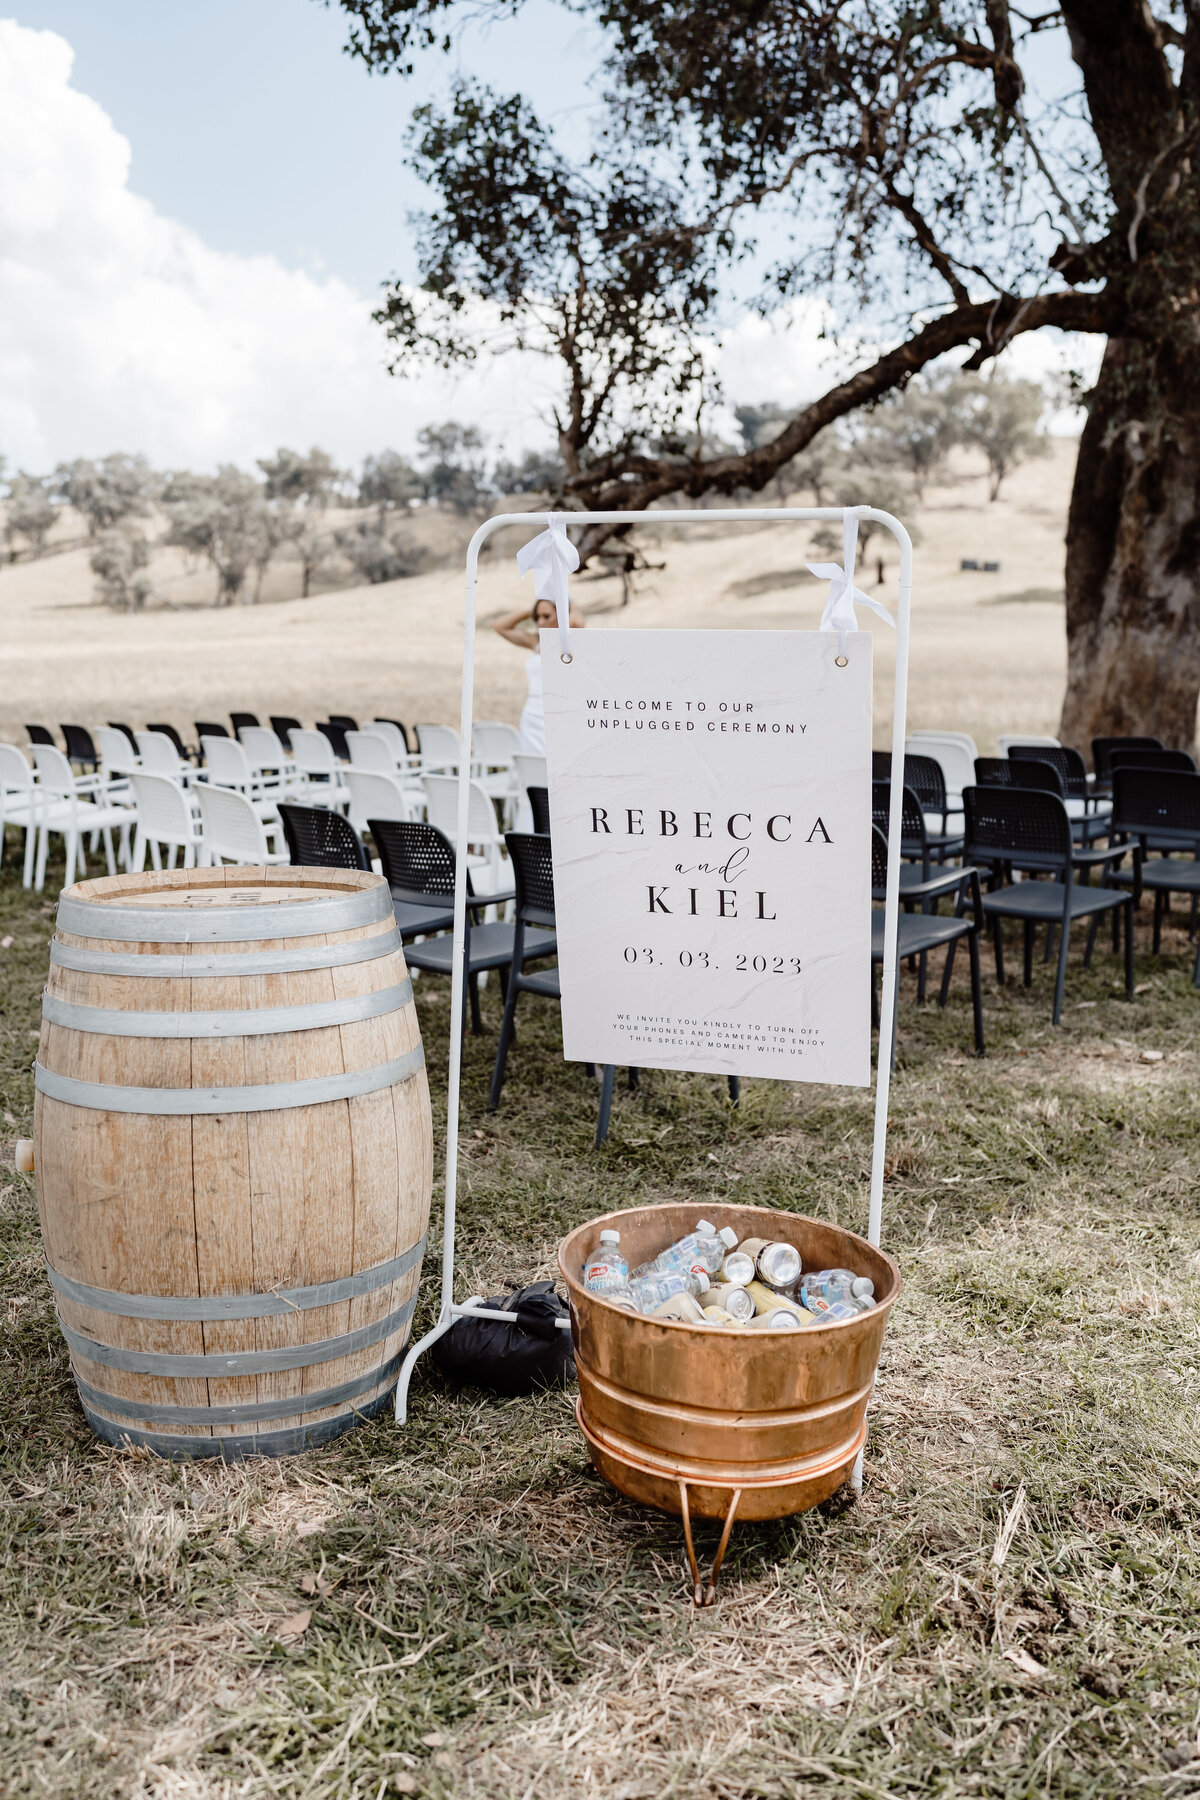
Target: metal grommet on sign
pixel 566 657
pixel 841 661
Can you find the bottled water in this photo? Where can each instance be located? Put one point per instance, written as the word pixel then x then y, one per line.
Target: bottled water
pixel 649 1291
pixel 823 1288
pixel 705 1248
pixel 606 1270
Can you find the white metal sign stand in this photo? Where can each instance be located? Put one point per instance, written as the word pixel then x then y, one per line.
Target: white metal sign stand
pixel 450 1309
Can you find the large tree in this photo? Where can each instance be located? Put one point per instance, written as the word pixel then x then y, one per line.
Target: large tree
pixel 895 159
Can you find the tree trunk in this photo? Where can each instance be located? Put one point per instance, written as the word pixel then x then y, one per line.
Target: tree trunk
pixel 1133 553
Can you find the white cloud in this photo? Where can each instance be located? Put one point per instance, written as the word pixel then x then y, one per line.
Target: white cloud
pixel 122 329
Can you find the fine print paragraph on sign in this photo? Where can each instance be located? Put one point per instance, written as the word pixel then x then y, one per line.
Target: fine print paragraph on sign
pixel 710 801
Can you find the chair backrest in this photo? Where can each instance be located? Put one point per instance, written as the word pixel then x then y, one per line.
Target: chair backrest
pixel 370 750
pixel 441 800
pixel 159 755
pixel 283 728
pixel 878 862
pixel 923 774
pixel 162 810
pixel 1102 749
pixel 170 731
pixel 319 838
pixel 539 806
pixel 115 725
pixel 881 765
pixel 1006 742
pixel 494 744
pixel 531 770
pixel 226 762
pixel 313 752
pixel 1016 824
pixel 438 746
pixel 209 728
pixel 1164 803
pixel 1036 772
pixel 38 734
pixel 344 720
pixel 1070 765
pixel 239 721
pixel 1122 757
pixel 15 773
pixel 415 858
pixel 374 796
pixel 117 755
pixel 262 746
pixel 996 771
pixel 80 747
pixel 953 751
pixel 231 828
pixel 54 772
pixel 912 822
pixel 393 735
pixel 533 876
pixel 337 737
pixel 397 725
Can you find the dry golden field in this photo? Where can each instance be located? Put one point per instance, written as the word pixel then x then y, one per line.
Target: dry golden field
pixel 987 651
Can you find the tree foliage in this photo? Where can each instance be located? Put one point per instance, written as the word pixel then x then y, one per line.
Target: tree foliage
pixel 29 512
pixel 114 488
pixel 389 482
pixel 226 519
pixel 118 561
pixel 380 549
pixel 311 481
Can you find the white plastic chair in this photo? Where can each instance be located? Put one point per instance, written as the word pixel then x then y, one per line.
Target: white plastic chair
pixel 371 750
pixel 158 756
pixel 376 796
pixel 1024 737
pixel 232 830
pixel 440 749
pixel 530 772
pixel 68 805
pixel 269 762
pixel 955 752
pixel 494 748
pixel 164 816
pixel 394 738
pixel 320 770
pixel 227 766
pixel 19 803
pixel 483 832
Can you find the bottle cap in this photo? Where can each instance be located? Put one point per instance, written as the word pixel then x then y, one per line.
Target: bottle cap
pixel 728 1237
pixel 704 1229
pixel 702 1278
pixel 610 1237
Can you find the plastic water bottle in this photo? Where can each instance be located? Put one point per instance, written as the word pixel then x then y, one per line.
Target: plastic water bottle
pixel 822 1288
pixel 606 1270
pixel 651 1290
pixel 704 1248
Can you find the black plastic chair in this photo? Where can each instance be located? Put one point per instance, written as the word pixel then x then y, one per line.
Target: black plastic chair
pixel 1122 757
pixel 344 720
pixel 320 839
pixel 239 721
pixel 539 806
pixel 206 728
pixel 80 748
pixel 1160 810
pixel 918 933
pixel 418 865
pixel 1038 772
pixel 128 730
pixel 337 737
pixel 189 754
pixel 1020 828
pixel 401 728
pixel 1102 749
pixel 1072 772
pixel 924 775
pixel 38 734
pixel 283 728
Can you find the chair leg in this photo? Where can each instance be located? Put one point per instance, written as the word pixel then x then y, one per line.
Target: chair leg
pixel 874 1002
pixel 1027 937
pixel 998 946
pixel 1158 919
pixel 1093 928
pixel 606 1094
pixel 895 1019
pixel 633 1081
pixel 976 991
pixel 476 1015
pixel 1061 982
pixel 1127 909
pixel 735 1089
pixel 922 970
pixel 947 972
pixel 1051 940
pixel 506 1038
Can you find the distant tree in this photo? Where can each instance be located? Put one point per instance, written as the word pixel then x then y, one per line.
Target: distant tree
pixel 114 488
pixel 380 549
pixel 224 517
pixel 310 481
pixel 29 512
pixel 312 545
pixel 454 469
pixel 120 555
pixel 815 468
pixel 389 482
pixel 538 472
pixel 913 429
pixel 1003 419
pixel 890 491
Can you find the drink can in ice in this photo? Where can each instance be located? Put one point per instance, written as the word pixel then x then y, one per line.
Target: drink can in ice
pixel 778 1264
pixel 735 1300
pixel 737 1268
pixel 679 1306
pixel 779 1318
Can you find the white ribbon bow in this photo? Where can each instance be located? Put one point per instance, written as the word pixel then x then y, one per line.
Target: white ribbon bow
pixel 552 557
pixel 839 604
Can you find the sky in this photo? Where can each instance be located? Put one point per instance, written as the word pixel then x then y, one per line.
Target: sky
pixel 199 201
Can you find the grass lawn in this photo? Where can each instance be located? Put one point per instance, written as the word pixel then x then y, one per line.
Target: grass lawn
pixel 464 1608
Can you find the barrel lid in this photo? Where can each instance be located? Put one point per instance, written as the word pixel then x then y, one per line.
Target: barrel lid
pixel 208 911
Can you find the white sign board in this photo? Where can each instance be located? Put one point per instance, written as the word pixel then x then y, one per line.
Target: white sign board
pixel 710 803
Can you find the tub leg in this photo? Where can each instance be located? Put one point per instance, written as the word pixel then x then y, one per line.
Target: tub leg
pixel 710 1593
pixel 705 1593
pixel 697 1590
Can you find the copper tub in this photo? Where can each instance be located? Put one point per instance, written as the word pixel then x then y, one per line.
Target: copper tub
pixel 709 1421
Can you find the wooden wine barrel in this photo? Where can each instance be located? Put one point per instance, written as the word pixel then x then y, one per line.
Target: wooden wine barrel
pixel 233 1153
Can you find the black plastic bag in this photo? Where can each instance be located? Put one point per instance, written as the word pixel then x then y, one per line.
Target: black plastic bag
pixel 511 1358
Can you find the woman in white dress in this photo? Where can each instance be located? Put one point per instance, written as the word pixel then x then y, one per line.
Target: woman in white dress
pixel 521 628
